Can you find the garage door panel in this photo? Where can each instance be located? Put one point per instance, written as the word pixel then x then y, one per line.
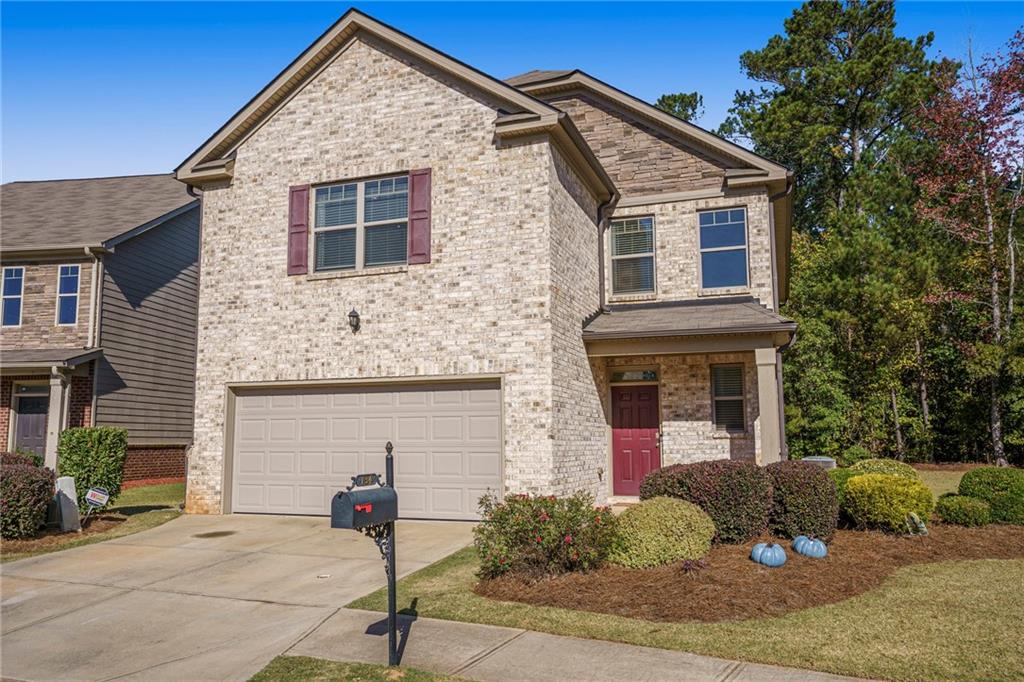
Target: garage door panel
pixel 297 447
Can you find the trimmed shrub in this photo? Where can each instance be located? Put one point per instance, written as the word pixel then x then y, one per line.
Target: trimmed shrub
pixel 25 493
pixel 883 501
pixel 840 477
pixel 1001 487
pixel 854 454
pixel 536 536
pixel 963 510
pixel 661 530
pixel 804 500
pixel 94 456
pixel 889 467
pixel 736 495
pixel 19 458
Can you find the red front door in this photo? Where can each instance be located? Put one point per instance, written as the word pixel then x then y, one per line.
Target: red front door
pixel 634 436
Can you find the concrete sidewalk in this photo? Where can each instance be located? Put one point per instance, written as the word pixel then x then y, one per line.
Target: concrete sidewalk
pixel 488 653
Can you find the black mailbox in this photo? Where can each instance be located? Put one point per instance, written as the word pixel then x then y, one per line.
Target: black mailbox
pixel 365 507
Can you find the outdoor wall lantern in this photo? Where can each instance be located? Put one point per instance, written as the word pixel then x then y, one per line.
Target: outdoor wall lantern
pixel 353 319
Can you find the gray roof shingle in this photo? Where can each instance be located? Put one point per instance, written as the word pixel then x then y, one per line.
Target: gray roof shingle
pixel 536 76
pixel 87 212
pixel 48 357
pixel 739 315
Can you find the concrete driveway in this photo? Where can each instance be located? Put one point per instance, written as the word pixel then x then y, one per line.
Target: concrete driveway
pixel 199 598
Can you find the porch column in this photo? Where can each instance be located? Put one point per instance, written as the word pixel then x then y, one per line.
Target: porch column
pixel 56 416
pixel 768 406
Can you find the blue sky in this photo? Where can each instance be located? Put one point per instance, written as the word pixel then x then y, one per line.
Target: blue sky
pixel 95 89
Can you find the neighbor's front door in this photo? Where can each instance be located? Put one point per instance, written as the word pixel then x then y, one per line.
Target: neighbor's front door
pixel 635 426
pixel 30 428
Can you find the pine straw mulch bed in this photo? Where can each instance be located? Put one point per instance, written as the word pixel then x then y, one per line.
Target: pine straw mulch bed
pixel 52 537
pixel 732 587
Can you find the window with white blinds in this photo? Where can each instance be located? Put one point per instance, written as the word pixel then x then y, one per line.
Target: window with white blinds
pixel 67 294
pixel 361 224
pixel 728 409
pixel 632 256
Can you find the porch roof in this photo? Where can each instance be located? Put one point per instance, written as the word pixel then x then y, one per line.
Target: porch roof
pixel 734 315
pixel 45 358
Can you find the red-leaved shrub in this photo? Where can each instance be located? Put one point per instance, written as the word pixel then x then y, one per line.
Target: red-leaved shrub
pixel 804 500
pixel 25 492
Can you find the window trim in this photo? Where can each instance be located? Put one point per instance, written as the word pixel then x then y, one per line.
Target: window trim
pixel 20 296
pixel 715 399
pixel 653 255
pixel 359 226
pixel 731 289
pixel 77 295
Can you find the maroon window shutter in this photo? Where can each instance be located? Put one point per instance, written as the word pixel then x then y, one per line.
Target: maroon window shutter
pixel 419 216
pixel 298 229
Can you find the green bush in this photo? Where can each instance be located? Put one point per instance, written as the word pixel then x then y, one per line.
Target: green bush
pixel 536 536
pixel 883 501
pixel 840 477
pixel 804 500
pixel 1001 487
pixel 854 454
pixel 736 495
pixel 963 510
pixel 25 493
pixel 94 456
pixel 661 530
pixel 889 467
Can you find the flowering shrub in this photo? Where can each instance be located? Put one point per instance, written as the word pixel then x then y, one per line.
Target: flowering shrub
pixel 25 492
pixel 661 531
pixel 804 500
pixel 542 535
pixel 736 495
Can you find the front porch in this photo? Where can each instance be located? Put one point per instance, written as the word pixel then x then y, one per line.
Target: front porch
pixel 687 382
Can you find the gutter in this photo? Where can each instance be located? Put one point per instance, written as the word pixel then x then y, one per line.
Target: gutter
pixel 772 198
pixel 748 329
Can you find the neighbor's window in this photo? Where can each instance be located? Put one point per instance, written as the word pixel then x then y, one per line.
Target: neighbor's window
pixel 361 224
pixel 14 283
pixel 67 294
pixel 727 397
pixel 723 248
pixel 633 256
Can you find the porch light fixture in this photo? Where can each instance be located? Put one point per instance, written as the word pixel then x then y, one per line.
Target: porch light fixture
pixel 353 319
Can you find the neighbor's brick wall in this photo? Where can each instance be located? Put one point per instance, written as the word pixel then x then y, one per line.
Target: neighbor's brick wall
pixel 640 159
pixel 39 309
pixel 688 434
pixel 155 462
pixel 677 244
pixel 482 306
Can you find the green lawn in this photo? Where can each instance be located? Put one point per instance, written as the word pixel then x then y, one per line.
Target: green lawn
pixel 141 508
pixel 304 669
pixel 941 481
pixel 952 620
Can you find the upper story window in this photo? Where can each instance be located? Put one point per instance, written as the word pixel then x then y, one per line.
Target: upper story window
pixel 67 294
pixel 727 406
pixel 632 256
pixel 361 224
pixel 13 287
pixel 723 248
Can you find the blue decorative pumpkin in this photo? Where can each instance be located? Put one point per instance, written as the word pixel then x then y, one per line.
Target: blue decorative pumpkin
pixel 771 555
pixel 810 547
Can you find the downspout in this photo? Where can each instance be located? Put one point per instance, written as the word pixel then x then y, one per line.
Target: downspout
pixel 775 299
pixel 199 272
pixel 602 210
pixel 95 318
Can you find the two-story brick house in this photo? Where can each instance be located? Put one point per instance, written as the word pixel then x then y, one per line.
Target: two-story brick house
pixel 100 283
pixel 538 285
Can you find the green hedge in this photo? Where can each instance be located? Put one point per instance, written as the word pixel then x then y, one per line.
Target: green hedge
pixel 963 511
pixel 886 466
pixel 883 501
pixel 841 477
pixel 25 493
pixel 1001 487
pixel 94 456
pixel 661 530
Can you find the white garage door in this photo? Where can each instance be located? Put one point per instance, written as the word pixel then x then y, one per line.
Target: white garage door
pixel 295 448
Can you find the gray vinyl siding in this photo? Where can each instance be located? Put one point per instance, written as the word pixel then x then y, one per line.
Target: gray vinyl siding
pixel 146 379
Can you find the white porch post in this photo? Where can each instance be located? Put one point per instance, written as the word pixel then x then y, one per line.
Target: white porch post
pixel 768 406
pixel 56 416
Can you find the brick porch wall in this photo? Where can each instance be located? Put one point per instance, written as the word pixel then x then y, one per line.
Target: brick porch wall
pixel 79 406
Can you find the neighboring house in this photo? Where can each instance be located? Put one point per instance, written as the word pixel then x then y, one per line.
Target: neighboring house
pixel 100 281
pixel 556 286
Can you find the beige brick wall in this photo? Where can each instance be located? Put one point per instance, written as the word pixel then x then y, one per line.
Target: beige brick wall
pixel 39 327
pixel 677 244
pixel 483 306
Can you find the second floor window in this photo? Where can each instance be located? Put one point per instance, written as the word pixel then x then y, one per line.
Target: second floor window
pixel 361 224
pixel 633 256
pixel 723 249
pixel 67 294
pixel 13 286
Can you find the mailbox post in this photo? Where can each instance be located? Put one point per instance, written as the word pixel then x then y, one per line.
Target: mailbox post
pixel 373 510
